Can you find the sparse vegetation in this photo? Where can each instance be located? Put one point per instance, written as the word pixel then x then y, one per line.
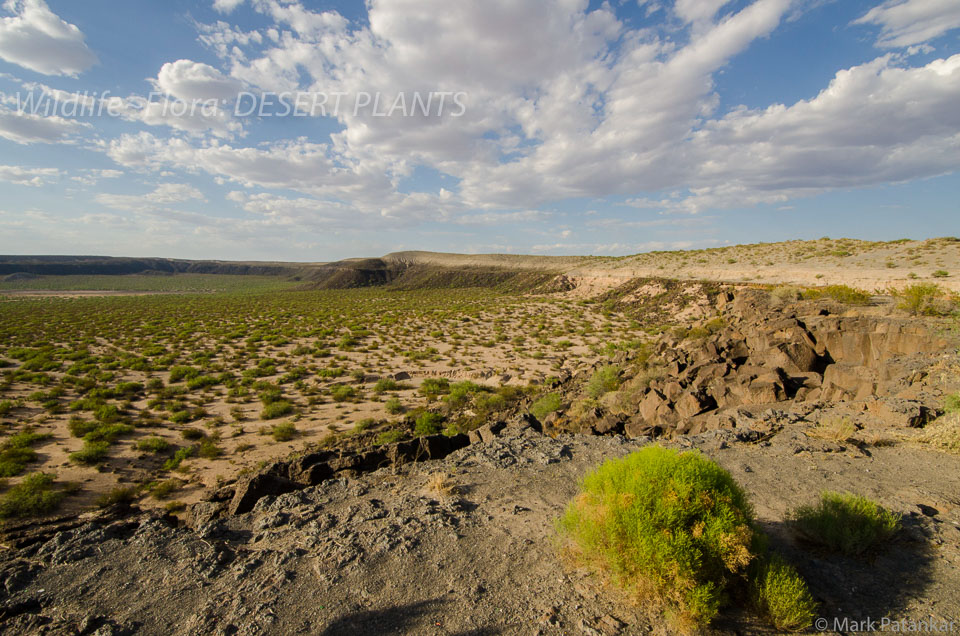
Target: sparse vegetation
pixel 845 523
pixel 33 496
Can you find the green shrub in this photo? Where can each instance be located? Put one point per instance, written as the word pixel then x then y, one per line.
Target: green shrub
pixel 153 445
pixel 80 427
pixel 343 392
pixel 181 372
pixel 394 406
pixel 546 405
pixel 428 424
pixel 208 449
pixel 389 437
pixel 192 433
pixel 283 432
pixel 781 595
pixel 108 433
pixel 603 380
pixel 923 298
pixel 174 462
pixel 107 413
pixel 941 273
pixel 840 293
pixel 15 452
pixel 119 495
pixel 435 386
pixel 668 527
pixel 31 497
pixel 181 417
pixel 951 404
pixel 385 384
pixel 273 410
pixel 163 489
pixel 6 406
pixel 91 453
pixel 845 523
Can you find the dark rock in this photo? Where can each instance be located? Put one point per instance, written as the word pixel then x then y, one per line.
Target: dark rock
pixel 251 489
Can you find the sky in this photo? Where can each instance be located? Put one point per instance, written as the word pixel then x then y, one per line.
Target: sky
pixel 319 130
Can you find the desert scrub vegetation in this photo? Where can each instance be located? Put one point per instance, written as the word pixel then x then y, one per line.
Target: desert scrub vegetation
pixel 33 496
pixel 780 594
pixel 927 299
pixel 840 293
pixel 845 523
pixel 544 406
pixel 603 380
pixel 93 367
pixel 16 451
pixel 675 530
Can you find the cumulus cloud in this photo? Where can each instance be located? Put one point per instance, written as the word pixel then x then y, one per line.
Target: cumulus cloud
pixel 37 39
pixel 188 80
pixel 562 102
pixel 907 22
pixel 26 128
pixel 35 177
pixel 226 6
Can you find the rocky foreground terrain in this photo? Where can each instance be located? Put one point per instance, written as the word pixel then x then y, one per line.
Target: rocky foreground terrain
pixel 456 535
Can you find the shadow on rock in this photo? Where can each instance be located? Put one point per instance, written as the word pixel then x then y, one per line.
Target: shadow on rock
pixel 389 620
pixel 881 583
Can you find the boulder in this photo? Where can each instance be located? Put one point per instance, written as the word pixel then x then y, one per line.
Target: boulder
pixel 401 376
pixel 251 489
pixel 691 404
pixel 439 446
pixel 487 433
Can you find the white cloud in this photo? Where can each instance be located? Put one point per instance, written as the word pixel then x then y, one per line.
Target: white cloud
pixel 562 102
pixel 906 22
pixel 188 80
pixel 226 6
pixel 37 39
pixel 35 177
pixel 25 128
pixel 165 194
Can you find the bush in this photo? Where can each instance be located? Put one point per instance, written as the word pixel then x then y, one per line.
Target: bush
pixel 164 489
pixel 941 273
pixel 91 453
pixel 435 386
pixel 192 433
pixel 923 298
pixel 119 495
pixel 385 384
pixel 32 496
pixel 174 462
pixel 394 406
pixel 781 595
pixel 546 405
pixel 786 294
pixel 845 523
pixel 951 404
pixel 429 424
pixel 153 445
pixel 603 380
pixel 283 432
pixel 666 526
pixel 108 433
pixel 840 293
pixel 389 437
pixel 181 372
pixel 343 392
pixel 80 427
pixel 273 410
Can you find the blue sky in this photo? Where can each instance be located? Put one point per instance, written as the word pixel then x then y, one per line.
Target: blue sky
pixel 568 127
